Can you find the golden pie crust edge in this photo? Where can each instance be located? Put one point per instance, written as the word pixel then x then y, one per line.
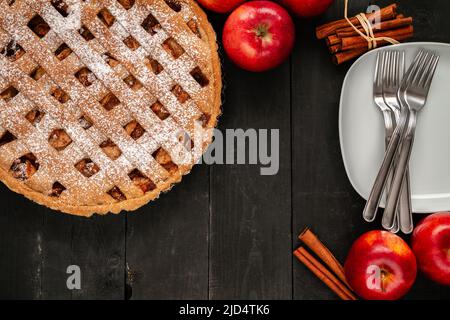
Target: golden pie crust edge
pixel 135 203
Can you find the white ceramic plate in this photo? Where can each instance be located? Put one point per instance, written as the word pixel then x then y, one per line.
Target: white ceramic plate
pixel 361 132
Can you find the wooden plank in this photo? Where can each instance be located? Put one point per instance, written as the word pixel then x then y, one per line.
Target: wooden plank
pixel 167 243
pixel 57 253
pixel 38 244
pixel 98 248
pixel 250 250
pixel 431 23
pixel 322 196
pixel 20 247
pixel 167 247
pixel 96 245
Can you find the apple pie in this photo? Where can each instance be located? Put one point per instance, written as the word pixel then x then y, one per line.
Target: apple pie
pixel 100 100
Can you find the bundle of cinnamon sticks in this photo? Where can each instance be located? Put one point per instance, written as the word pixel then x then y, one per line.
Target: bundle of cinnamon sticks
pixel 329 271
pixel 345 43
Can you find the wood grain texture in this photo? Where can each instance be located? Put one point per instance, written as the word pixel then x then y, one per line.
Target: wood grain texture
pixel 20 247
pixel 57 255
pixel 98 247
pixel 249 211
pixel 225 232
pixel 37 246
pixel 167 243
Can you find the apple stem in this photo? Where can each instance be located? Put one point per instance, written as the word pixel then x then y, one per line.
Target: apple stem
pixel 262 30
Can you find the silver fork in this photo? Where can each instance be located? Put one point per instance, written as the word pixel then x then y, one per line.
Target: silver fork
pixel 413 93
pixel 373 201
pixel 381 73
pixel 395 68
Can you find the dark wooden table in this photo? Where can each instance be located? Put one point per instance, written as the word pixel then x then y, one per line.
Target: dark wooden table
pixel 225 232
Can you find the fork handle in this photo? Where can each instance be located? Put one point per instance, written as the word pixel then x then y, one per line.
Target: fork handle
pixel 388 126
pixel 406 219
pixel 370 210
pixel 401 218
pixel 393 226
pixel 389 130
pixel 402 165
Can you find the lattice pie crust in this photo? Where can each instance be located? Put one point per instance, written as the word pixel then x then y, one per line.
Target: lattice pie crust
pixel 98 99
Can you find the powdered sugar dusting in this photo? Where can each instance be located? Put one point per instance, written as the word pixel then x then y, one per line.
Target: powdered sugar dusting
pixel 82 31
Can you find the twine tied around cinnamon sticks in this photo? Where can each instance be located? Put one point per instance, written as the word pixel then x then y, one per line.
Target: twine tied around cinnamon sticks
pixel 349 38
pixel 372 41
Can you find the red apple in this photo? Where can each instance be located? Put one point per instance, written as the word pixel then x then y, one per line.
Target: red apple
pixel 380 266
pixel 259 35
pixel 220 6
pixel 307 8
pixel 431 244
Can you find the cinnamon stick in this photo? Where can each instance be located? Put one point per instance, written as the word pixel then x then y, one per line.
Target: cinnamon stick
pixel 325 30
pixel 359 42
pixel 383 26
pixel 338 47
pixel 323 274
pixel 332 40
pixel 350 28
pixel 316 246
pixel 335 48
pixel 386 12
pixel 336 39
pixel 344 56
